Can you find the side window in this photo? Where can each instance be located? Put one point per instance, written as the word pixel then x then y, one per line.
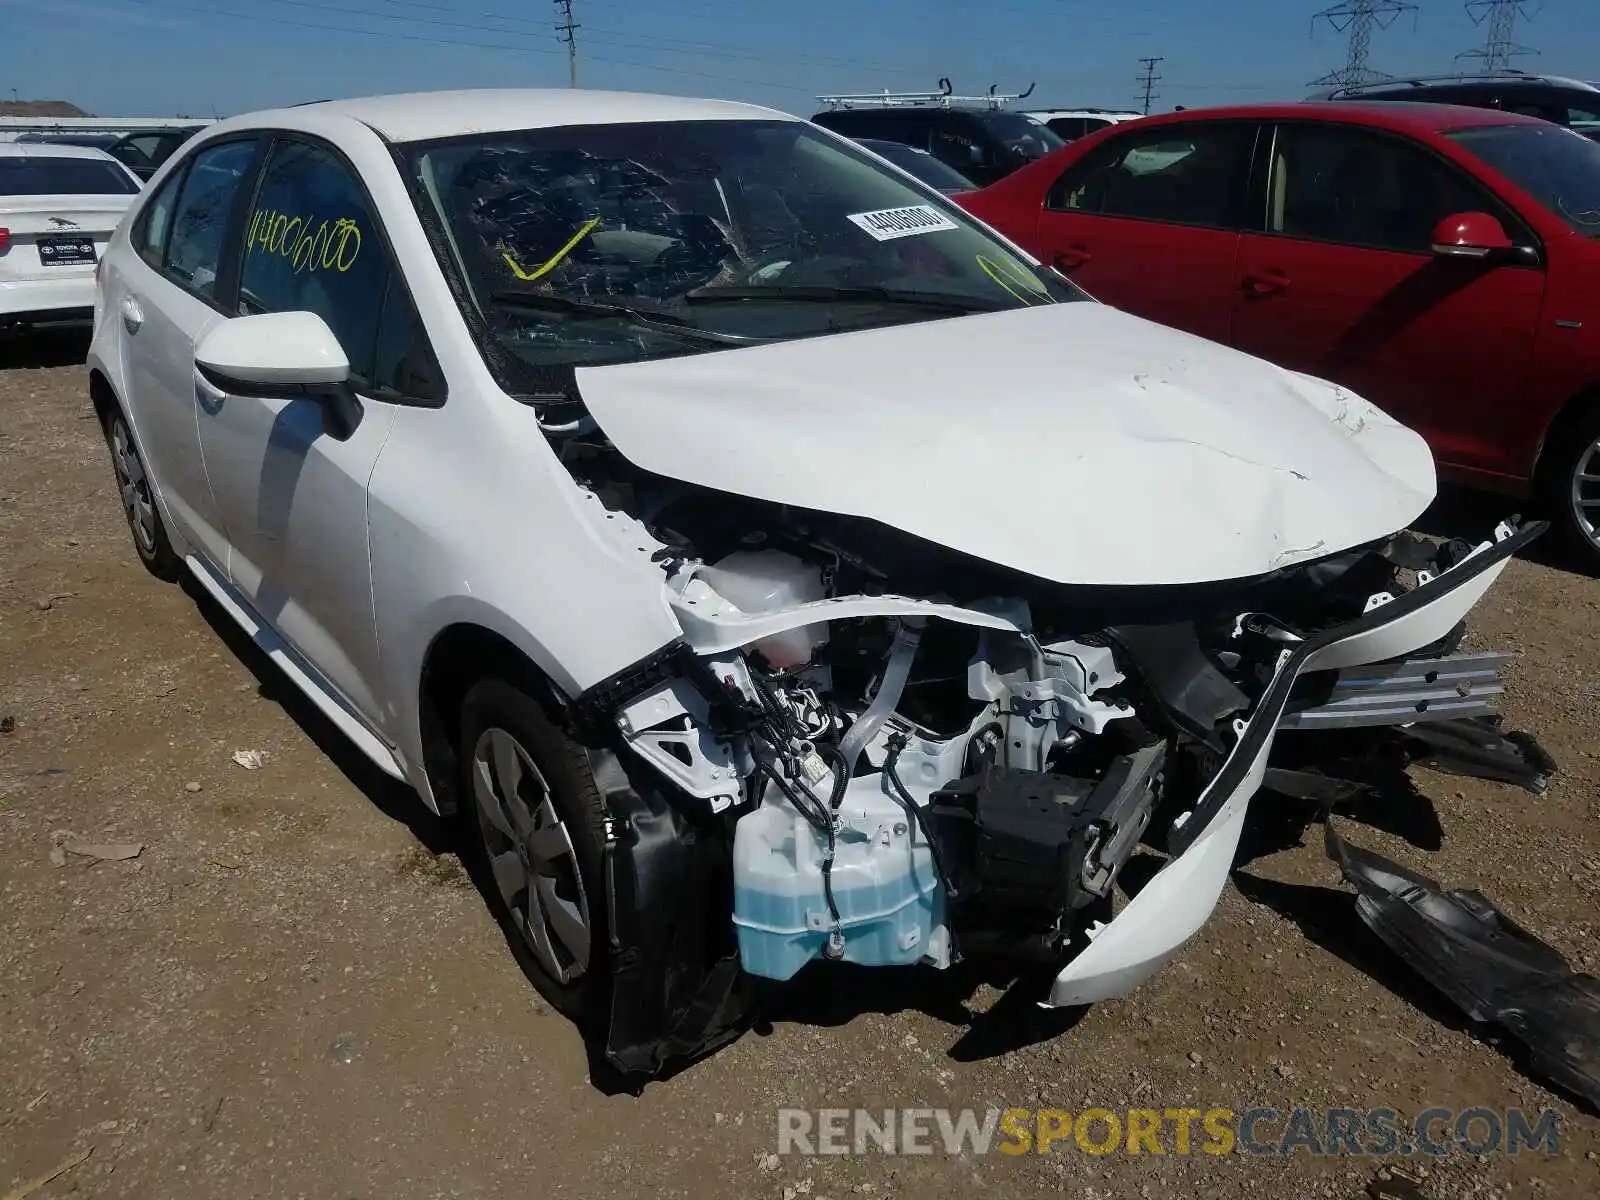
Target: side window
pixel 149 235
pixel 194 248
pixel 1585 119
pixel 311 244
pixel 906 128
pixel 1069 129
pixel 1336 184
pixel 1182 175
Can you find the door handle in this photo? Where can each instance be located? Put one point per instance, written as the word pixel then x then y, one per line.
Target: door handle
pixel 1266 283
pixel 132 315
pixel 1069 258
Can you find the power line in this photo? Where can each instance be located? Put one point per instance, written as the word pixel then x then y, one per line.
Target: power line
pixel 1500 19
pixel 1148 81
pixel 568 32
pixel 617 38
pixel 169 6
pixel 1359 18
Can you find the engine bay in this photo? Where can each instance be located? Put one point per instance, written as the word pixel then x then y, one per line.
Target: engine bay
pixel 923 755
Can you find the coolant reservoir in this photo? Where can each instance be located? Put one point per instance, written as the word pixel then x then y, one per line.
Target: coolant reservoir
pixel 764 581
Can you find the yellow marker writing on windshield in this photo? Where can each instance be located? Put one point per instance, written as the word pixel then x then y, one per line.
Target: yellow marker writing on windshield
pixel 554 260
pixel 1006 275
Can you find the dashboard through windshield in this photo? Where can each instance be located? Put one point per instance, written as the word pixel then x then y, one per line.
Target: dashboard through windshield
pixel 583 245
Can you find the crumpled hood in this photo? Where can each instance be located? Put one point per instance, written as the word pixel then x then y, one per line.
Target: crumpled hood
pixel 1072 442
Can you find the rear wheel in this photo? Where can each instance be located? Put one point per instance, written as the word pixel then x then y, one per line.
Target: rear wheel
pixel 1571 486
pixel 138 500
pixel 541 832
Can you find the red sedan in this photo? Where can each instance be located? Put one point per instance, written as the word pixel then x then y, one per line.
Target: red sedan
pixel 1442 262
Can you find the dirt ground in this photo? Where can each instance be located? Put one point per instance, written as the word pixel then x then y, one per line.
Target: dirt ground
pixel 293 990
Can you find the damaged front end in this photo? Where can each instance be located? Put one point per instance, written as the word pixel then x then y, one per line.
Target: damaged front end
pixel 832 767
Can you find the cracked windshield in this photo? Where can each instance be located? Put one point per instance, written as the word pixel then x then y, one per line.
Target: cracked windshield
pixel 613 243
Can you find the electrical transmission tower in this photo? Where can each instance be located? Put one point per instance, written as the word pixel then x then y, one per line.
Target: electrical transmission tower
pixel 1500 18
pixel 567 29
pixel 1148 81
pixel 1359 18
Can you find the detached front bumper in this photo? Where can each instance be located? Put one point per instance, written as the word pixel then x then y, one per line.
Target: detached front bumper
pixel 1174 905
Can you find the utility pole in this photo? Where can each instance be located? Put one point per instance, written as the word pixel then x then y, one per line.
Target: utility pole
pixel 1499 17
pixel 1359 18
pixel 567 29
pixel 1148 81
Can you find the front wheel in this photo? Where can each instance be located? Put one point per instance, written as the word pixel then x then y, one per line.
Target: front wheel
pixel 541 832
pixel 1572 490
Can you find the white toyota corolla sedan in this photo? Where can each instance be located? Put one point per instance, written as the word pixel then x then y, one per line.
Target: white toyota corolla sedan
pixel 58 207
pixel 774 563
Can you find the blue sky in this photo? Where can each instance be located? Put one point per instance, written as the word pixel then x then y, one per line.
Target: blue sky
pixel 161 57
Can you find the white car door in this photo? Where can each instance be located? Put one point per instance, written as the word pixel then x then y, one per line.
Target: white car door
pixel 166 299
pixel 291 486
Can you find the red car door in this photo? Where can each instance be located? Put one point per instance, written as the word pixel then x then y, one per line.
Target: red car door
pixel 1343 284
pixel 1149 222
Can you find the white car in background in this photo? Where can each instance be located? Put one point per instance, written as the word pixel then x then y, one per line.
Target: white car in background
pixel 1070 124
pixel 58 206
pixel 774 562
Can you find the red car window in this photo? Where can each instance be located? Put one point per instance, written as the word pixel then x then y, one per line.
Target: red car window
pixel 1180 175
pixel 1359 188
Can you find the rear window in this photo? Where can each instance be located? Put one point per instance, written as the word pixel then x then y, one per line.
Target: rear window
pixel 43 176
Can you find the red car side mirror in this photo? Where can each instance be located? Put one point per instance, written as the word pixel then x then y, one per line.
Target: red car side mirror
pixel 1474 235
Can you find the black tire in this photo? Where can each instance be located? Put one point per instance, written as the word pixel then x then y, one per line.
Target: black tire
pixel 496 706
pixel 1572 442
pixel 142 514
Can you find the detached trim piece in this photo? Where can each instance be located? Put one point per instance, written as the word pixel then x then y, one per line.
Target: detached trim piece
pixel 1263 723
pixel 1489 967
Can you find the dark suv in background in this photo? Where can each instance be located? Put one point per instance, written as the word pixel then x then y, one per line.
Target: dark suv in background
pixel 1569 102
pixel 982 144
pixel 142 151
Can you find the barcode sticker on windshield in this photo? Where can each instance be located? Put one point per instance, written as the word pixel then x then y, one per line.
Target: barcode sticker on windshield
pixel 889 223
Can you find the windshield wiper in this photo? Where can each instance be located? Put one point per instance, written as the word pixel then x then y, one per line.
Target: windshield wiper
pixel 829 293
pixel 648 319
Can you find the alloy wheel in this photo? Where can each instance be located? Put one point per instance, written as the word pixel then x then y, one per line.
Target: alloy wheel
pixel 1584 494
pixel 133 486
pixel 530 855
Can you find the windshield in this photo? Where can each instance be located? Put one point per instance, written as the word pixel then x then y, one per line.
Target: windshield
pixel 1558 168
pixel 1023 134
pixel 584 245
pixel 923 165
pixel 38 175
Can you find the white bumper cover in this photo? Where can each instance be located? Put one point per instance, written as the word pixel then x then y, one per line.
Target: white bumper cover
pixel 71 291
pixel 1173 906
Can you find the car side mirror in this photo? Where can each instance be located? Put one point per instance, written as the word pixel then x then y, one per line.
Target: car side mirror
pixel 1471 235
pixel 278 356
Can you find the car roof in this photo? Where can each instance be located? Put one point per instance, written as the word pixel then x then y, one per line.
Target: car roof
pixel 1111 113
pixel 1426 83
pixel 424 116
pixel 53 150
pixel 1384 114
pixel 876 145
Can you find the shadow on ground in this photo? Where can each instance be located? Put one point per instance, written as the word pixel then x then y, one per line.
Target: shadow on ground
pixel 393 799
pixel 43 348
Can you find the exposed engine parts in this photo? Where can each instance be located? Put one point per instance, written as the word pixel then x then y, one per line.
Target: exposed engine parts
pixel 910 788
